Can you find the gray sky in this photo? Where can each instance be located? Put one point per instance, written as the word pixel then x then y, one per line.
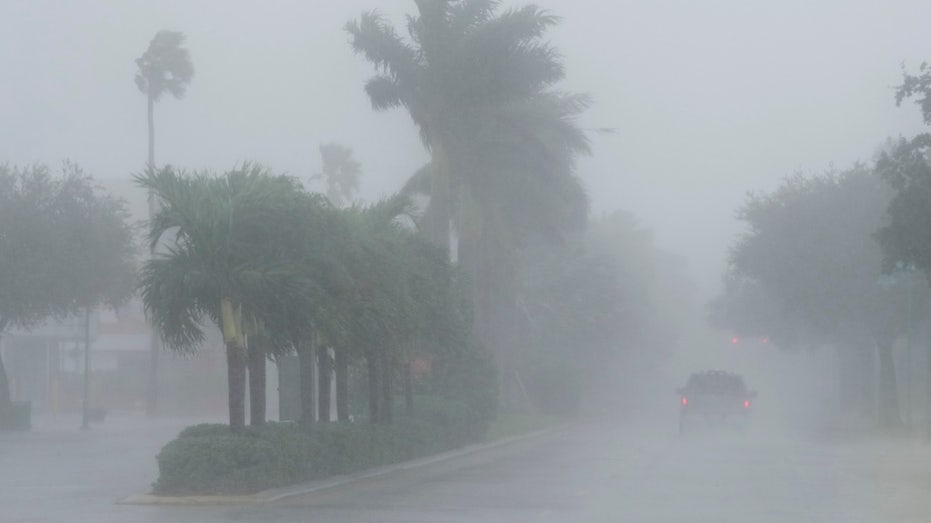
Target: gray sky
pixel 711 99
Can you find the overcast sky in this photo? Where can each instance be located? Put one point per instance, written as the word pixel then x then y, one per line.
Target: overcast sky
pixel 710 99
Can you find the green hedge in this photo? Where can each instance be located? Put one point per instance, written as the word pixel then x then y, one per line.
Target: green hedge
pixel 209 459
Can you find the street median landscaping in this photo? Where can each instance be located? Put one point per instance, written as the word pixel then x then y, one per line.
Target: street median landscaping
pixel 209 459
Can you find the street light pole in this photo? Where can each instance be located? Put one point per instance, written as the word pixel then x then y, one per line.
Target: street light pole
pixel 908 350
pixel 928 383
pixel 85 412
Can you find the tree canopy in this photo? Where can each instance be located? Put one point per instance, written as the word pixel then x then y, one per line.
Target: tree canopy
pixel 65 247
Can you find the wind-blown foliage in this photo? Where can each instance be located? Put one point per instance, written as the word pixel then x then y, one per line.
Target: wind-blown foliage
pixel 480 84
pixel 165 66
pixel 230 257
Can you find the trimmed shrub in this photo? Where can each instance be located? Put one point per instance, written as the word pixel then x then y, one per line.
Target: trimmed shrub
pixel 209 459
pixel 213 460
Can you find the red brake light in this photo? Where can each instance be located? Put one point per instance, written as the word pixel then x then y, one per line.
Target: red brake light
pixel 685 401
pixel 747 404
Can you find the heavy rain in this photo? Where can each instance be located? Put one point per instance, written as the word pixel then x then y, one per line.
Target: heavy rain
pixel 465 261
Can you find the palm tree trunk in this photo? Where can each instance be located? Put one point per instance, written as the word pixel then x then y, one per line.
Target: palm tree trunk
pixel 236 385
pixel 342 385
pixel 85 407
pixel 257 376
pixel 438 214
pixel 387 389
pixel 371 360
pixel 409 388
pixel 151 120
pixel 151 397
pixel 6 402
pixel 889 415
pixel 325 382
pixel 305 355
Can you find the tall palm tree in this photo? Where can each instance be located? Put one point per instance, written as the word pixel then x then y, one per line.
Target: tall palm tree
pixel 164 67
pixel 229 256
pixel 479 84
pixel 463 57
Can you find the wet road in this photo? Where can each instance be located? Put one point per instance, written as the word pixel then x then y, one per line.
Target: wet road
pixel 590 472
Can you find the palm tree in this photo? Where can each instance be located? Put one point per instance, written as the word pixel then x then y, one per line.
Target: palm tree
pixel 164 67
pixel 464 57
pixel 479 85
pixel 229 256
pixel 341 173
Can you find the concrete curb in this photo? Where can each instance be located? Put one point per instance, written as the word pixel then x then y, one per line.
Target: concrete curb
pixel 275 495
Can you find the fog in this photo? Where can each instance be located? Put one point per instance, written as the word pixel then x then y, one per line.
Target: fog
pixel 709 100
pixel 694 104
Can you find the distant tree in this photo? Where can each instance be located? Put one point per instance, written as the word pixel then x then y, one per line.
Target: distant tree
pixel 65 248
pixel 340 173
pixel 748 310
pixel 164 67
pixel 585 304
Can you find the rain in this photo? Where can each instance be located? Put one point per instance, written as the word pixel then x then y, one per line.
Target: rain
pixel 465 260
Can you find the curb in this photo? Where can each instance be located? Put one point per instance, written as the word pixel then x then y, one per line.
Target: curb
pixel 275 495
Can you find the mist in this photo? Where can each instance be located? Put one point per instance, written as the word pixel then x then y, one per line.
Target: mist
pixel 583 337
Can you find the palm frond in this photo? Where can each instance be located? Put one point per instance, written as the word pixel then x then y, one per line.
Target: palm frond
pixel 384 92
pixel 380 44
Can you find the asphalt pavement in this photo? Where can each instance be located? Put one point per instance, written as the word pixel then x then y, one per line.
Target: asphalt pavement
pixel 590 471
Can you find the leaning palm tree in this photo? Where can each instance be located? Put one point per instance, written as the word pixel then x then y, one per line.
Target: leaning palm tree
pixel 464 57
pixel 164 67
pixel 229 256
pixel 479 84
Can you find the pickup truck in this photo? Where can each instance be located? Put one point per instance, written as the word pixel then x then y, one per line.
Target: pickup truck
pixel 714 398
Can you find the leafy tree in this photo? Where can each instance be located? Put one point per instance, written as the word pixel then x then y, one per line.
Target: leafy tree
pixel 906 236
pixel 916 86
pixel 810 246
pixel 65 248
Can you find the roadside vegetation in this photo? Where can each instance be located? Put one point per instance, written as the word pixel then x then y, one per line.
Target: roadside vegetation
pixel 841 259
pixel 482 300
